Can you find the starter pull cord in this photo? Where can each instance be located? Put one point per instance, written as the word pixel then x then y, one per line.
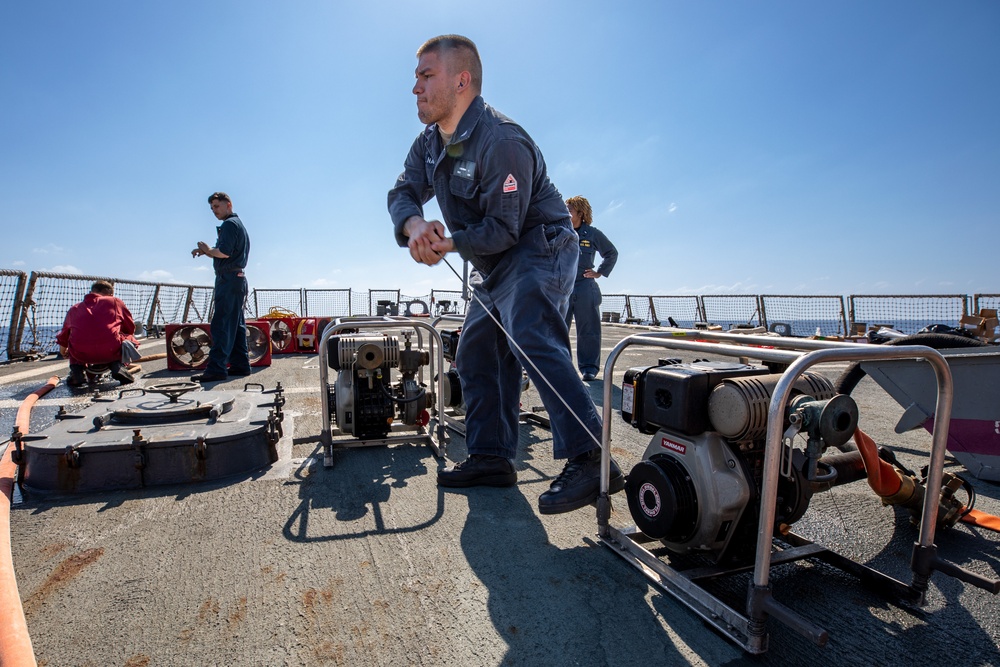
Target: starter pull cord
pixel 525 356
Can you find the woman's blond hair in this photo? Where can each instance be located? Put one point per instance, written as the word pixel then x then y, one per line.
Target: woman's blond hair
pixel 581 206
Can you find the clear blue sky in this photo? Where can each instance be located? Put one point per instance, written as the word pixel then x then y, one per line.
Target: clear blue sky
pixel 777 147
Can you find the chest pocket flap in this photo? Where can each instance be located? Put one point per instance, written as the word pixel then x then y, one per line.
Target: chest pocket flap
pixel 464 188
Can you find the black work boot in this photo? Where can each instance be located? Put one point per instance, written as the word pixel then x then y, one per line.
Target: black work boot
pixel 120 373
pixel 579 484
pixel 76 377
pixel 479 470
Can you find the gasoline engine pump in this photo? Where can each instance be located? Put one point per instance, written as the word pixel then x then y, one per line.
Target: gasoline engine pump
pixel 452 384
pixel 364 402
pixel 698 487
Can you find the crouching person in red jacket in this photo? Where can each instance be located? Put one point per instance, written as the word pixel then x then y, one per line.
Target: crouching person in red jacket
pixel 95 332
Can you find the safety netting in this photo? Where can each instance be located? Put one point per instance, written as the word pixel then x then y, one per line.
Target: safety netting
pixel 447 302
pixel 199 304
pixel 383 302
pixel 172 304
pixel 33 306
pixel 11 289
pixel 276 301
pixel 327 302
pixel 681 311
pixel 980 301
pixel 614 307
pixel 48 297
pixel 640 310
pixel 796 315
pixel 731 311
pixel 905 313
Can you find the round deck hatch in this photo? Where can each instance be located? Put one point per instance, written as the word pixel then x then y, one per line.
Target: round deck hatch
pixel 167 402
pixel 147 409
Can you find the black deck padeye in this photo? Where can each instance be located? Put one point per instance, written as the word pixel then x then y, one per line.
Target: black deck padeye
pixel 169 433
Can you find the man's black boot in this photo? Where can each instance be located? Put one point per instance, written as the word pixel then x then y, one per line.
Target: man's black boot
pixel 76 377
pixel 579 484
pixel 120 373
pixel 208 377
pixel 479 470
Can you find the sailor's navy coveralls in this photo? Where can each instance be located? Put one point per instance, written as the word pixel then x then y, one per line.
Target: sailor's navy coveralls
pixel 510 222
pixel 229 330
pixel 585 302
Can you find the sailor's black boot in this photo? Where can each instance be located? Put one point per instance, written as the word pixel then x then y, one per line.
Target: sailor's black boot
pixel 76 377
pixel 120 373
pixel 479 470
pixel 579 484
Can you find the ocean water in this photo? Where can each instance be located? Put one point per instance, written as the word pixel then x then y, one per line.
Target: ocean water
pixel 825 327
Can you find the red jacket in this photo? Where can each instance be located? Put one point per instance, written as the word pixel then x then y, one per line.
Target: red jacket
pixel 95 328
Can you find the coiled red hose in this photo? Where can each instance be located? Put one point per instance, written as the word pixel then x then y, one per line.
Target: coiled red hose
pixel 15 642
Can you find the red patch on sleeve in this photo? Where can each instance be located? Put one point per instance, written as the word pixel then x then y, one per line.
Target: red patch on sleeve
pixel 510 185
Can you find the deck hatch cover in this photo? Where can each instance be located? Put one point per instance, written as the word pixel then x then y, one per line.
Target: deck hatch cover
pixel 145 439
pixel 157 409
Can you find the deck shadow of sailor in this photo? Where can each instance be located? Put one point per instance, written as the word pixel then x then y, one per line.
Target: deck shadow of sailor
pixel 596 390
pixel 867 627
pixel 367 483
pixel 555 605
pixel 950 633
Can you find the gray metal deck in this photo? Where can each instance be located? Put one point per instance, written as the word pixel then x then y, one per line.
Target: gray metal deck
pixel 370 563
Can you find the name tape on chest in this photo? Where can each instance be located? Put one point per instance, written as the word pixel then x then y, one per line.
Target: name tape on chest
pixel 510 185
pixel 464 169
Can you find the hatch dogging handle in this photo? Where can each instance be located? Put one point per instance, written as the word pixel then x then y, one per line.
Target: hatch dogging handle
pixel 173 390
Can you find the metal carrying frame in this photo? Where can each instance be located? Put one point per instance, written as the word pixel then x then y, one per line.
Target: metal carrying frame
pixel 749 628
pixel 433 433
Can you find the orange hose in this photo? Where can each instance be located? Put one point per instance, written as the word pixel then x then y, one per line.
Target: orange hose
pixel 23 421
pixel 882 477
pixel 15 642
pixel 982 519
pixel 886 481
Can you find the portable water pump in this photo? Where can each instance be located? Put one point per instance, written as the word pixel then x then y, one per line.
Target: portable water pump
pixel 365 402
pixel 698 487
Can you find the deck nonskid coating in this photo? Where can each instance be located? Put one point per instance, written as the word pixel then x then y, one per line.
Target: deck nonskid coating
pixel 370 563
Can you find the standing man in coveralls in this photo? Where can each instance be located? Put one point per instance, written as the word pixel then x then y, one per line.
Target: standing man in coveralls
pixel 585 302
pixel 229 354
pixel 510 222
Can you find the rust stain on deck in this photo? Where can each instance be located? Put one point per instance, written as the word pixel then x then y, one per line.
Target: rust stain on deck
pixel 65 572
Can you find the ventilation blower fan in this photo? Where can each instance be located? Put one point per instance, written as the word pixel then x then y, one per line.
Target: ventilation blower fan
pixel 188 346
pixel 283 335
pixel 259 343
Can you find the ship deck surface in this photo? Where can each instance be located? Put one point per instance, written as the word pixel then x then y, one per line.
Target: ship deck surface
pixel 370 563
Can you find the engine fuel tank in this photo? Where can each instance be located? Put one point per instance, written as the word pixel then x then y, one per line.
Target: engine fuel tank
pixel 675 396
